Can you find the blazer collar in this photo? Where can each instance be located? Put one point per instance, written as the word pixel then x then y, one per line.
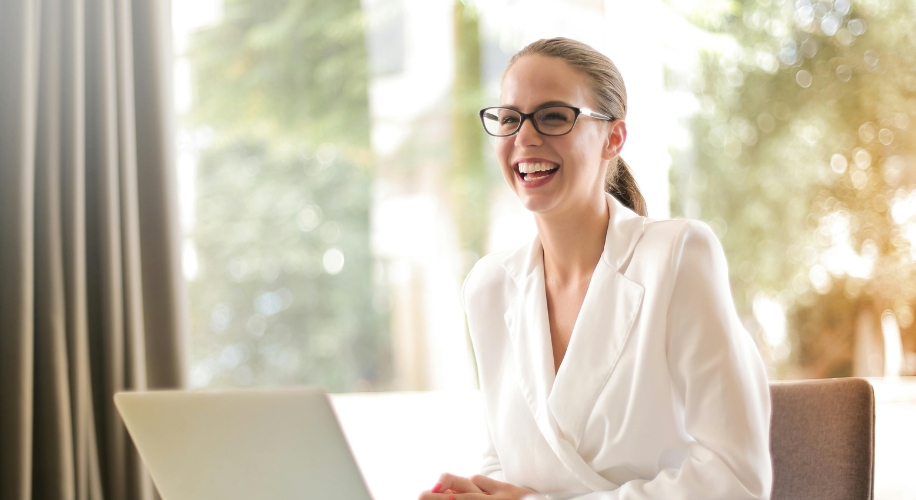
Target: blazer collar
pixel 624 229
pixel 561 403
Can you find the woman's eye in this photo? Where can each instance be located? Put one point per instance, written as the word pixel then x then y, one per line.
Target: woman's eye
pixel 554 117
pixel 508 119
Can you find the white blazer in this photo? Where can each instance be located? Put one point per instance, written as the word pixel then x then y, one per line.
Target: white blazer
pixel 661 394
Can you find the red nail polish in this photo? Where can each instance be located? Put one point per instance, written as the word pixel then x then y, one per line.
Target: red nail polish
pixel 436 488
pixel 451 498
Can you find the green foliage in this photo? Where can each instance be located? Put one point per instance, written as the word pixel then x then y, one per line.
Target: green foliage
pixel 267 220
pixel 288 69
pixel 283 198
pixel 804 132
pixel 469 179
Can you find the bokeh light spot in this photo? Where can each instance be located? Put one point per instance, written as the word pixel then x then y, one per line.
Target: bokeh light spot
pixel 838 163
pixel 844 73
pixel 804 78
pixel 333 260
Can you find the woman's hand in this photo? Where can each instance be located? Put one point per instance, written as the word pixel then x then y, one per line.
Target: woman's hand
pixel 452 487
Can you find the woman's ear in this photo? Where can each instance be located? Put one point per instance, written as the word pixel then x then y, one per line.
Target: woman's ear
pixel 616 137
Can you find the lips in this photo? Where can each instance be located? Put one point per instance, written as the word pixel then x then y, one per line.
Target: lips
pixel 535 169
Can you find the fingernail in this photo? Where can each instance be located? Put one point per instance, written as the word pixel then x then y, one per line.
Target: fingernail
pixel 436 488
pixel 451 498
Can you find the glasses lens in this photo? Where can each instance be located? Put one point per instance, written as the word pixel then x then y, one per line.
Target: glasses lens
pixel 500 121
pixel 555 121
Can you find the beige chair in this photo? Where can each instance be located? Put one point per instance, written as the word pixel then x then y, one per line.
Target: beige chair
pixel 822 439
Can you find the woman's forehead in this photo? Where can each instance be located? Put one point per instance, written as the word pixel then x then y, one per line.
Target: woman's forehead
pixel 534 80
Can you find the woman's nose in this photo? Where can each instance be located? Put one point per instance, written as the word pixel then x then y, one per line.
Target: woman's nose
pixel 527 135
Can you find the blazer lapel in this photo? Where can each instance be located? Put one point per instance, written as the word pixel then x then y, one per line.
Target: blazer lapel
pixel 598 337
pixel 561 404
pixel 529 332
pixel 602 327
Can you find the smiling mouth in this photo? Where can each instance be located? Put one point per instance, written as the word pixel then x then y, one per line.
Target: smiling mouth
pixel 535 170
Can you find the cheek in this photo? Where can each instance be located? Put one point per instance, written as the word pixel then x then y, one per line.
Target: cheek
pixel 503 150
pixel 587 155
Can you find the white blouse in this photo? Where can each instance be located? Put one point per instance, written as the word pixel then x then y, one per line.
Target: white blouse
pixel 661 394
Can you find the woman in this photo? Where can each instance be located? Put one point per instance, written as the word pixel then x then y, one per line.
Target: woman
pixel 611 360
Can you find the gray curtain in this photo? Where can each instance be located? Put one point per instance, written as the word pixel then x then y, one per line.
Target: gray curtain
pixel 91 293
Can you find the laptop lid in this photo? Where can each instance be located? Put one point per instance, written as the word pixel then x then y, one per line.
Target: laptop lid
pixel 243 444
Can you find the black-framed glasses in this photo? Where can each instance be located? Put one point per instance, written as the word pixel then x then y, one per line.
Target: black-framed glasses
pixel 499 121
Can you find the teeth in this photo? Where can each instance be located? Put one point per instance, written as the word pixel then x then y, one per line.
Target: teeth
pixel 530 177
pixel 527 168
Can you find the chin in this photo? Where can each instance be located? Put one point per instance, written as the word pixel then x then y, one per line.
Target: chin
pixel 537 204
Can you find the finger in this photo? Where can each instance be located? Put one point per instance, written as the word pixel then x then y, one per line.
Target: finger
pixel 428 495
pixel 470 496
pixel 457 484
pixel 438 491
pixel 442 495
pixel 487 484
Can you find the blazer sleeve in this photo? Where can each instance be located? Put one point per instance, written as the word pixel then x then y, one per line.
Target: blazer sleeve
pixel 491 466
pixel 718 378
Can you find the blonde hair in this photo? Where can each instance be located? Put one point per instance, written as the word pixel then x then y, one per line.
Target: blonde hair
pixel 610 98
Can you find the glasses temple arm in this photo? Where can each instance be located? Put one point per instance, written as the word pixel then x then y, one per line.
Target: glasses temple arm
pixel 595 114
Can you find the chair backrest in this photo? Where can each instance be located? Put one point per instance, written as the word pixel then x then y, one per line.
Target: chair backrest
pixel 822 439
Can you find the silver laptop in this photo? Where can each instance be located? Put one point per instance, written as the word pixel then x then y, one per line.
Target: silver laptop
pixel 245 444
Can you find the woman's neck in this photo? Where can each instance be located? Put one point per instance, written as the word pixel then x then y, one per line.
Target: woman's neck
pixel 573 241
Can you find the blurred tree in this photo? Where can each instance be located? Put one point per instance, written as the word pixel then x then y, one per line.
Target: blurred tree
pixel 469 180
pixel 805 162
pixel 290 70
pixel 284 291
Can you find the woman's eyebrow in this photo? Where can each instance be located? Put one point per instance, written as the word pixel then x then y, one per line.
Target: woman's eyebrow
pixel 553 103
pixel 540 106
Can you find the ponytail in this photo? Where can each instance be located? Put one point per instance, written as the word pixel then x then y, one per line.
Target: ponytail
pixel 621 184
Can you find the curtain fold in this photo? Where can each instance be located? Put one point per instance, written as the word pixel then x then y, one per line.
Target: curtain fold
pixel 91 293
pixel 18 109
pixel 52 444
